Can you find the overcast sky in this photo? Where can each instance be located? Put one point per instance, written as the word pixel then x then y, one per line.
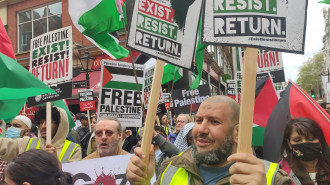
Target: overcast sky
pixel 313 41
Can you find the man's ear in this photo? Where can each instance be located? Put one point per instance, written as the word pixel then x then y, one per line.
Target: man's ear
pixel 121 135
pixel 235 133
pixel 26 183
pixel 27 132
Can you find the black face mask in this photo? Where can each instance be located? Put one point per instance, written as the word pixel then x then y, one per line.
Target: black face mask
pixel 307 151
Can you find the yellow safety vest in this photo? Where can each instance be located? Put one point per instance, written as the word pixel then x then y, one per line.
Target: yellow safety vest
pixel 179 176
pixel 66 152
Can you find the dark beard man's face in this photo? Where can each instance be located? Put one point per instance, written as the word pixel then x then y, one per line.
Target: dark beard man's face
pixel 213 157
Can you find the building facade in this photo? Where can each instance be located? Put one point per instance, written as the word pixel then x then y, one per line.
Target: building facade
pixel 26 19
pixel 326 41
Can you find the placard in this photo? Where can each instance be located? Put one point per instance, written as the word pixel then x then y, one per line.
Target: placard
pixel 86 95
pixel 51 62
pixel 148 76
pixel 105 170
pixel 119 97
pixel 268 61
pixel 269 24
pixel 183 98
pixel 165 29
pixel 86 99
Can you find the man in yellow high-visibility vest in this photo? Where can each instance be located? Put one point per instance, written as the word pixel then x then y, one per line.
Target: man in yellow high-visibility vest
pixel 66 151
pixel 213 157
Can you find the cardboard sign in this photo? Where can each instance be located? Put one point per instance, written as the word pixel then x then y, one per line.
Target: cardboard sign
pixel 51 62
pixel 277 76
pixel 231 89
pixel 87 105
pixel 270 24
pixel 28 111
pixel 86 95
pixel 165 29
pixel 79 84
pixel 182 99
pixel 105 170
pixel 148 75
pixel 267 61
pixel 119 97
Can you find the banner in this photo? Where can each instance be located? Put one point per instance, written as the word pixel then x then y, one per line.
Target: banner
pixel 165 29
pixel 119 97
pixel 182 99
pixel 269 24
pixel 105 170
pixel 51 62
pixel 86 99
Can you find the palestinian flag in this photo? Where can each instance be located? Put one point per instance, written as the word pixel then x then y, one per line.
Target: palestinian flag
pixel 294 103
pixel 16 83
pixel 121 76
pixel 265 101
pixel 97 20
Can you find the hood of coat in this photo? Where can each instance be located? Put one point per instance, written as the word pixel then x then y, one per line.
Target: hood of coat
pixel 61 133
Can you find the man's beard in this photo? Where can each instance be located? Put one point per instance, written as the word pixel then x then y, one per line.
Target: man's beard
pixel 109 151
pixel 214 157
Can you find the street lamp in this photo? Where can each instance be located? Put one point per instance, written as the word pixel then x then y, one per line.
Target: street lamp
pixel 86 64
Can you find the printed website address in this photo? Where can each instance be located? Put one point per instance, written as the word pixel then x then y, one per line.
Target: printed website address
pixel 266 39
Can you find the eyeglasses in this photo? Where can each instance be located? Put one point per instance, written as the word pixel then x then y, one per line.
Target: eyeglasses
pixel 99 133
pixel 180 121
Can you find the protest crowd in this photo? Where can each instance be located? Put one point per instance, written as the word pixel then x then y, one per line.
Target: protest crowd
pixel 204 151
pixel 139 132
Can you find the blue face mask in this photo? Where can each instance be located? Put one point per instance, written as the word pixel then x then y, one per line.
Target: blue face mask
pixel 13 133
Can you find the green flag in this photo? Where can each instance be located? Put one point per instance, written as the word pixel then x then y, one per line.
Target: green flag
pixel 325 1
pixel 171 72
pixel 199 58
pixel 16 85
pixel 96 20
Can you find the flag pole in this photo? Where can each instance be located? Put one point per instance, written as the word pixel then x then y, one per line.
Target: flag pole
pixel 247 100
pixel 192 97
pixel 158 122
pixel 131 58
pixel 167 114
pixel 152 109
pixel 89 121
pixel 48 123
pixel 271 79
pixel 3 127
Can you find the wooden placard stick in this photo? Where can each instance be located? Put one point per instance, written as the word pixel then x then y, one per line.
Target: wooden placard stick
pixel 192 97
pixel 134 71
pixel 247 100
pixel 3 127
pixel 158 122
pixel 48 123
pixel 89 121
pixel 152 109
